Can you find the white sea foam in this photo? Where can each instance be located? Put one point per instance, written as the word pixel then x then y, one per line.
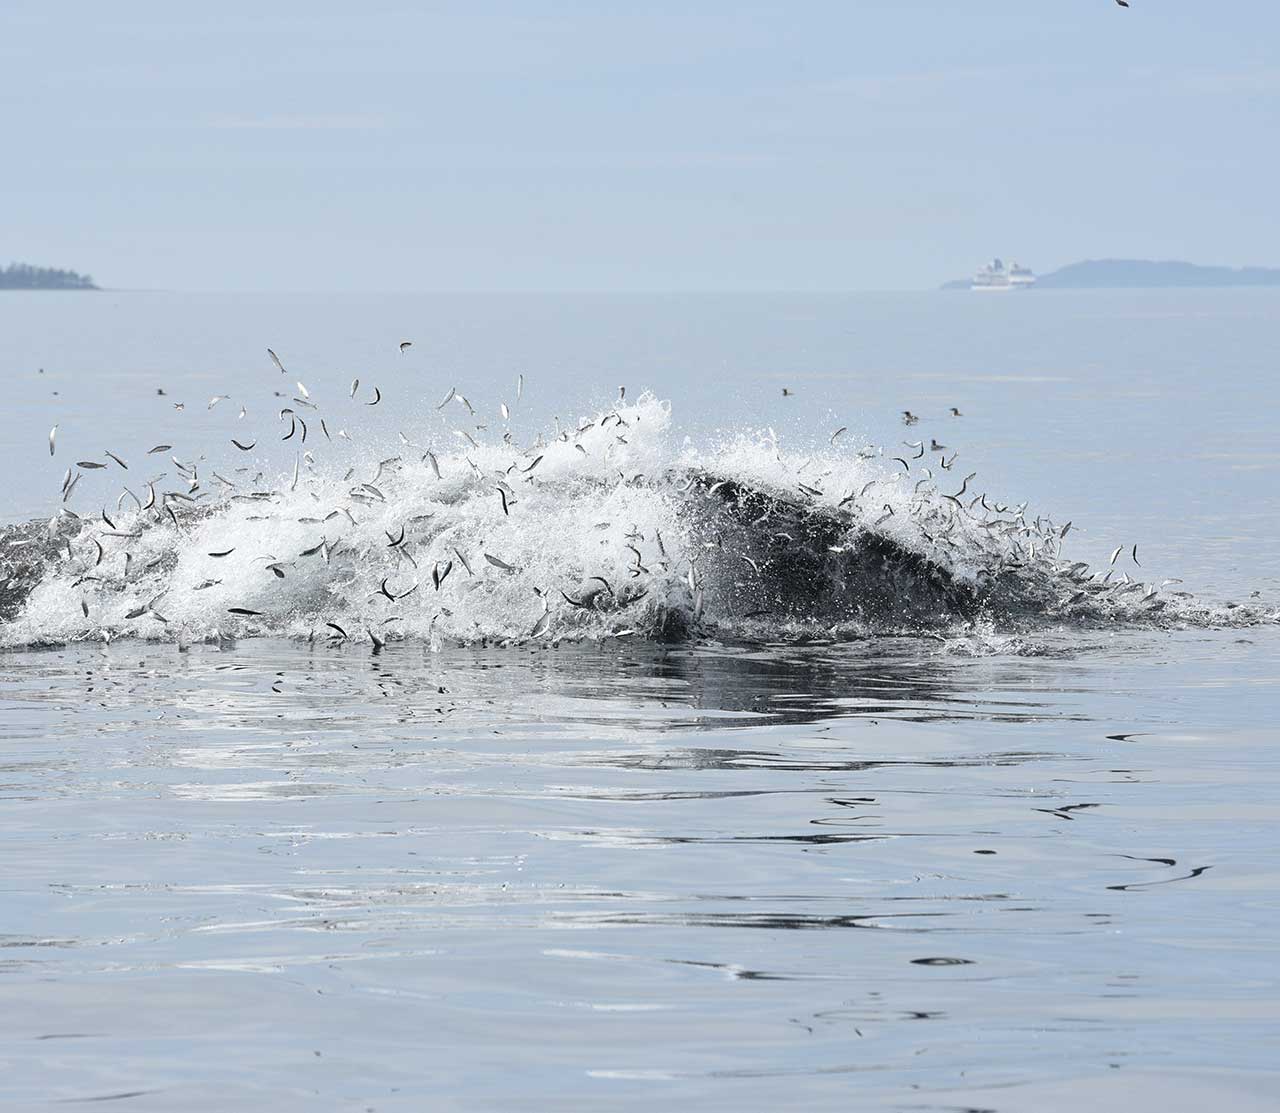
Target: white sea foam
pixel 609 528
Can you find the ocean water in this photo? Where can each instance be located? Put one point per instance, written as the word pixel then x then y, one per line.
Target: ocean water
pixel 657 746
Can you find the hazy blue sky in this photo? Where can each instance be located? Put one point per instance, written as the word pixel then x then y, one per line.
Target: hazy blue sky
pixel 837 144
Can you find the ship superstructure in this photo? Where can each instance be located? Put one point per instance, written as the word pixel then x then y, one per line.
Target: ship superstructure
pixel 996 276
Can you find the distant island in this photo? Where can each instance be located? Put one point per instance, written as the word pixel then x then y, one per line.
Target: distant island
pixel 1110 274
pixel 23 276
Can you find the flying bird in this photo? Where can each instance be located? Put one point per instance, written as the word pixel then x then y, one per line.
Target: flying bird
pixel 405 345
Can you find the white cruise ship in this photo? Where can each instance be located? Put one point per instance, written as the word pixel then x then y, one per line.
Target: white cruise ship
pixel 996 276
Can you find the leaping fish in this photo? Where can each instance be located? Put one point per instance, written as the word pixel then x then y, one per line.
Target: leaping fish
pixel 438 577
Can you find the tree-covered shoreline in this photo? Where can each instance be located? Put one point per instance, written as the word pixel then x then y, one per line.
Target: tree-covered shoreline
pixel 24 276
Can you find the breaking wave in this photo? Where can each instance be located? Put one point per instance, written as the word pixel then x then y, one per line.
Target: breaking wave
pixel 604 529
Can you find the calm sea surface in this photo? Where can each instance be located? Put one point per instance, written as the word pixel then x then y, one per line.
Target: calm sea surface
pixel 989 870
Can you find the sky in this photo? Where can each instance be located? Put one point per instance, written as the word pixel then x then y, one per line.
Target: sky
pixel 556 145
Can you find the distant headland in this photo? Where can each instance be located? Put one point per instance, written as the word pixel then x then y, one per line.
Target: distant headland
pixel 1111 274
pixel 23 276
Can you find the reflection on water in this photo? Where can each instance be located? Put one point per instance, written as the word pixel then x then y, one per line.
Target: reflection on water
pixel 389 873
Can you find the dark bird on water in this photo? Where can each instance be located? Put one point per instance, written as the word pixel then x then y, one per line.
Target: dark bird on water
pixel 1123 3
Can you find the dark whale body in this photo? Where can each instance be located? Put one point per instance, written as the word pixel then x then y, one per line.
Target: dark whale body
pixel 817 565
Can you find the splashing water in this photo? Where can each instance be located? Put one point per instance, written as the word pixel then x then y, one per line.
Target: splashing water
pixel 603 530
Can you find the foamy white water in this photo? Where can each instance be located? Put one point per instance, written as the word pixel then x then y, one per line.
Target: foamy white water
pixel 605 528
